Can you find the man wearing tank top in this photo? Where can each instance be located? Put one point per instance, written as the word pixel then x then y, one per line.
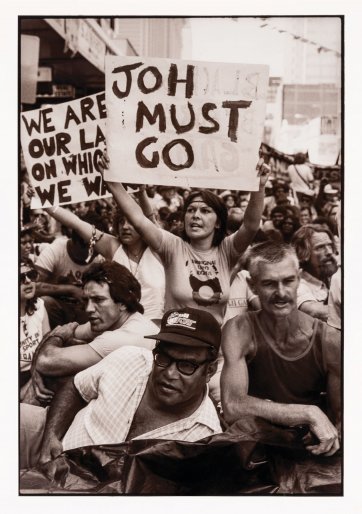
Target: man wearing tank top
pixel 280 363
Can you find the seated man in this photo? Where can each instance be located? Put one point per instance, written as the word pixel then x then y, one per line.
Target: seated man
pixel 133 394
pixel 279 361
pixel 316 252
pixel 61 266
pixel 112 296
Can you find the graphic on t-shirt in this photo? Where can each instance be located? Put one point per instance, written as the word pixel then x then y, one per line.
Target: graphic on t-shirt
pixel 205 292
pixel 28 347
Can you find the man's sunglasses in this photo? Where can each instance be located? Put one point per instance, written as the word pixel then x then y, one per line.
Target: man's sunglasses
pixel 31 275
pixel 163 360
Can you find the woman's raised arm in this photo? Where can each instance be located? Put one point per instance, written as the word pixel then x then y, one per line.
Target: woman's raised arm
pixel 149 232
pixel 106 244
pixel 253 212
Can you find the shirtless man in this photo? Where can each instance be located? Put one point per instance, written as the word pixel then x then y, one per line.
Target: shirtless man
pixel 279 360
pixel 135 393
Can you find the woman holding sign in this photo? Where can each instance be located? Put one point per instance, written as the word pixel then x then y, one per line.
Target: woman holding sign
pixel 197 266
pixel 128 249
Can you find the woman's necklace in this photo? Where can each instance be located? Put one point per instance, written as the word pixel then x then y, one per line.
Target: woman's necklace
pixel 134 258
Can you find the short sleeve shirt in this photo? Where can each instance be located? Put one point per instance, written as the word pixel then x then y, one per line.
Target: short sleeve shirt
pixel 131 333
pixel 113 389
pixel 197 279
pixel 311 289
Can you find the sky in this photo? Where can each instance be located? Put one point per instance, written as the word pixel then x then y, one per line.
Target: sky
pixel 245 40
pixel 225 40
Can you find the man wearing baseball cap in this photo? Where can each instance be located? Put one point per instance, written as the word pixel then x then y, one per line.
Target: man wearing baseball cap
pixel 135 393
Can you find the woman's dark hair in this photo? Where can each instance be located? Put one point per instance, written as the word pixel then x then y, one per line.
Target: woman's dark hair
pixel 30 304
pixel 123 286
pixel 217 205
pixel 300 158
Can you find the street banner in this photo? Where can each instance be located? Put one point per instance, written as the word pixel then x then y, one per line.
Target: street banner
pixel 184 123
pixel 62 145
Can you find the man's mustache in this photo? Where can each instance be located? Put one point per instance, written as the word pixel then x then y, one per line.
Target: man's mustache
pixel 328 260
pixel 277 298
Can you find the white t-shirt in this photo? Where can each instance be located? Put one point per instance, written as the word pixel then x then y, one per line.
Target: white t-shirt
pixel 239 297
pixel 151 275
pixel 33 327
pixel 300 176
pixel 129 334
pixel 55 259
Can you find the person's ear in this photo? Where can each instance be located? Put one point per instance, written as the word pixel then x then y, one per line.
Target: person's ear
pixel 252 284
pixel 211 370
pixel 122 307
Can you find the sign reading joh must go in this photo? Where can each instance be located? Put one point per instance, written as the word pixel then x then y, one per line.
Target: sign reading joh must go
pixel 184 123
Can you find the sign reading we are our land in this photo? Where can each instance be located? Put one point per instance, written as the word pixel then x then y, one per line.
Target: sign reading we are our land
pixel 62 145
pixel 184 123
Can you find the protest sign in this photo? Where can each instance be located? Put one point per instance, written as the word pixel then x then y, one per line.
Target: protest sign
pixel 62 145
pixel 184 123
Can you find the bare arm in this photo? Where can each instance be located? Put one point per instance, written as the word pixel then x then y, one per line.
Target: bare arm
pixel 315 309
pixel 58 356
pixel 66 403
pixel 333 357
pixel 253 213
pixel 44 286
pixel 236 402
pixel 150 233
pixel 145 204
pixel 106 245
pixel 45 323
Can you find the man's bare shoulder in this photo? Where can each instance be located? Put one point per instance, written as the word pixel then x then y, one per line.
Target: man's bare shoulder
pixel 237 322
pixel 237 333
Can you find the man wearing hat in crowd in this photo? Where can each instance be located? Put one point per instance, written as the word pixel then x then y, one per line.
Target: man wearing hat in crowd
pixel 135 393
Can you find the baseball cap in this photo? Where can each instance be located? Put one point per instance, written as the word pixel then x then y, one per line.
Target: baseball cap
pixel 329 190
pixel 189 327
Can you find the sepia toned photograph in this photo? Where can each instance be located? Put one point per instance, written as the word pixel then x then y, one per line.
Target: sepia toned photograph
pixel 180 255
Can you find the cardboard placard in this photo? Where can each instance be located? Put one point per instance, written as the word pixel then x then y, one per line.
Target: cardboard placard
pixel 184 123
pixel 62 145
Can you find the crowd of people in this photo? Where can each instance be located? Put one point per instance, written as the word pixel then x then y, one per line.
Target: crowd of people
pixel 170 313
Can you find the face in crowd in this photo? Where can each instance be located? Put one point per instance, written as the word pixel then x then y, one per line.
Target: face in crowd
pixel 305 216
pixel 28 276
pixel 26 246
pixel 277 219
pixel 80 209
pixel 322 262
pixel 127 233
pixel 103 312
pixel 276 285
pixel 39 217
pixel 179 374
pixel 280 194
pixel 200 219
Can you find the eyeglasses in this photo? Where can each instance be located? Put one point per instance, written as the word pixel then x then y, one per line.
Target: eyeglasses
pixel 31 275
pixel 163 360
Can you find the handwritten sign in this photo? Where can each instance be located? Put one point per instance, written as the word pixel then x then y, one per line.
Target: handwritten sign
pixel 184 123
pixel 62 146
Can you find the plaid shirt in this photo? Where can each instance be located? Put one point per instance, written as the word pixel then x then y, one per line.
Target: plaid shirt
pixel 113 389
